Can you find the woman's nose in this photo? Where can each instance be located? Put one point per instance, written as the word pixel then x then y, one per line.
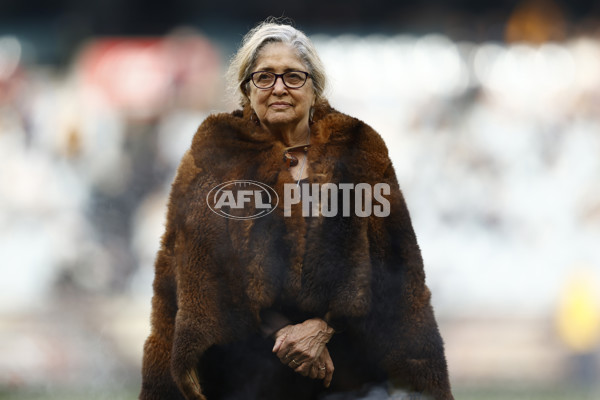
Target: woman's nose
pixel 279 87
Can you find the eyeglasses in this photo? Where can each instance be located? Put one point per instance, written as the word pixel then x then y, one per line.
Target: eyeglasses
pixel 291 79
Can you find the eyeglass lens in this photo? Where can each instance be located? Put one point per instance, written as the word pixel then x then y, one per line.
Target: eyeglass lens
pixel 291 79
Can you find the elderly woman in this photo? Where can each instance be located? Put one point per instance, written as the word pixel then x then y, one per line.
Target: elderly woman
pixel 322 295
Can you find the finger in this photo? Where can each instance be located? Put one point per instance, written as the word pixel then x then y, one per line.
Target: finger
pixel 314 372
pixel 288 349
pixel 278 342
pixel 284 347
pixel 286 361
pixel 321 371
pixel 303 369
pixel 285 353
pixel 293 362
pixel 329 373
pixel 328 378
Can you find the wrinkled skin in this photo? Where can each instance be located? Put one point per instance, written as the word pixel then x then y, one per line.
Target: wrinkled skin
pixel 302 347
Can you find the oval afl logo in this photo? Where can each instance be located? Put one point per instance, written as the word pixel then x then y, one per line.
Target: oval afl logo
pixel 242 199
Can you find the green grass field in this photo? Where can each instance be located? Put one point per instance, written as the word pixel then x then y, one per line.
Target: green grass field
pixel 459 393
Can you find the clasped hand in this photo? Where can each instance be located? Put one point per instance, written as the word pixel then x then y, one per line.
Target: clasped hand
pixel 302 347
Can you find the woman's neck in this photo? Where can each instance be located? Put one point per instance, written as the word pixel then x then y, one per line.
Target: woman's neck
pixel 295 136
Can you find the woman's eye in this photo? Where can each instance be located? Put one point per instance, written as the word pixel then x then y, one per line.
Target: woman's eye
pixel 263 77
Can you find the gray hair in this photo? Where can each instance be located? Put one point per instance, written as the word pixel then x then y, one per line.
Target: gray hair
pixel 271 31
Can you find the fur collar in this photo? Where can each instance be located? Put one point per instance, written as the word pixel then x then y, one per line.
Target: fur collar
pixel 235 147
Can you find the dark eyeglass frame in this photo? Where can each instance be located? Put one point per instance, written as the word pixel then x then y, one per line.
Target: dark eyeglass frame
pixel 277 76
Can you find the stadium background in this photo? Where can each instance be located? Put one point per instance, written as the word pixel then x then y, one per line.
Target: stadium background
pixel 491 112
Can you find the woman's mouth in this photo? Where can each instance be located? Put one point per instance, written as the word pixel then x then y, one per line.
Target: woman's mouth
pixel 280 104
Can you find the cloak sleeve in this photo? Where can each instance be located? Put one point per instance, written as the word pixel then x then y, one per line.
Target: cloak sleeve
pixel 399 328
pixel 401 325
pixel 189 295
pixel 157 382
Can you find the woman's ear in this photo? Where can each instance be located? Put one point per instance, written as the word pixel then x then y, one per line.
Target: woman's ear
pixel 246 91
pixel 246 88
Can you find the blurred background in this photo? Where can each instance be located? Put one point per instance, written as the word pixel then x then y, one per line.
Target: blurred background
pixel 490 110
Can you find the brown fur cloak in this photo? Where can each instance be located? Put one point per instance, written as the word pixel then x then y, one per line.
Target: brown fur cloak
pixel 214 275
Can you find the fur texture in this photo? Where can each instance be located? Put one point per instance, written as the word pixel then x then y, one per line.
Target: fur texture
pixel 214 275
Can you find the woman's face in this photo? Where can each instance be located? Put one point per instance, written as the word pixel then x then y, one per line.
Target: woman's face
pixel 280 107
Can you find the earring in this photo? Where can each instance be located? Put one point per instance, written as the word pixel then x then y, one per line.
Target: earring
pixel 254 118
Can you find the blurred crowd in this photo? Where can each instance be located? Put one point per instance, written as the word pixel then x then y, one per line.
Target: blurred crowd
pixel 496 147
